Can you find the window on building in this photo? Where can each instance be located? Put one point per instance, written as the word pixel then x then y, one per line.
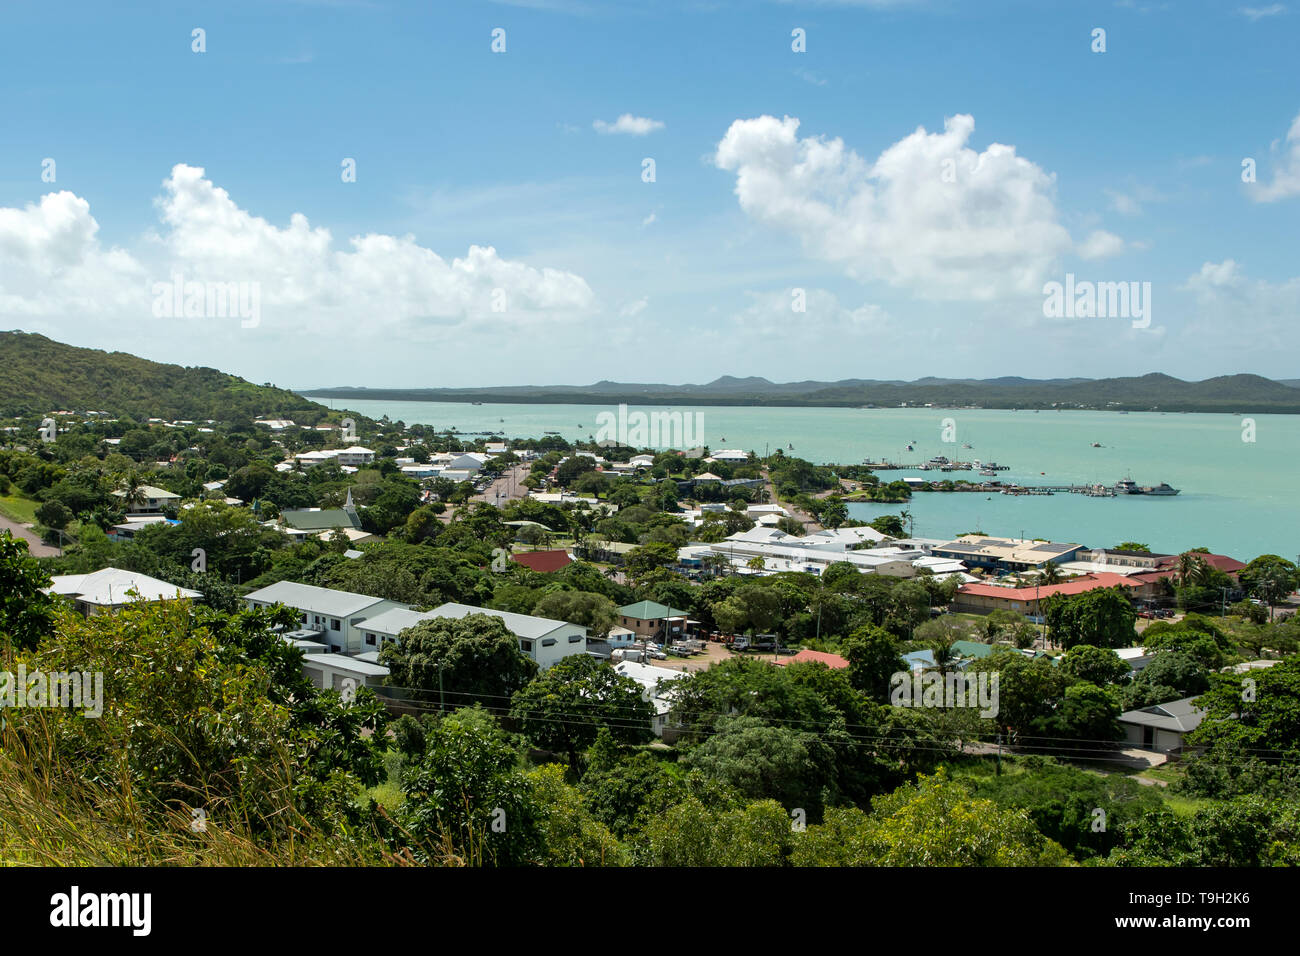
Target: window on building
pixel 526 646
pixel 370 639
pixel 334 624
pixel 548 642
pixel 574 638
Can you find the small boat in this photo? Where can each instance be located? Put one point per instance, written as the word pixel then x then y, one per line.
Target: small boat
pixel 1127 487
pixel 1096 444
pixel 789 447
pixel 477 403
pixel 910 448
pixel 1160 489
pixel 966 444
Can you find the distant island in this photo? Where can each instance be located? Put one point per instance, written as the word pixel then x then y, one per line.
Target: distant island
pixel 1153 392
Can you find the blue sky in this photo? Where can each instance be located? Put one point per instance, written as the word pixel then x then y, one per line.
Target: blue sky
pixel 496 233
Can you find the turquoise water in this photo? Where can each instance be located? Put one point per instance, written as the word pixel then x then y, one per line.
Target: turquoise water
pixel 1238 497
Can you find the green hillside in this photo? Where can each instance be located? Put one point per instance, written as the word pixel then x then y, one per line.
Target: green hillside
pixel 39 375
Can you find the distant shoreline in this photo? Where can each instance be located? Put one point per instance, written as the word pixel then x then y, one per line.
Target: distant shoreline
pixel 774 401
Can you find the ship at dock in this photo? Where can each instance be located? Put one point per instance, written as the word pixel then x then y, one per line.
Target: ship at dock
pixel 1130 487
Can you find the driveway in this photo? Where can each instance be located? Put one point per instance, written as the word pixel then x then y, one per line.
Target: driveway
pixel 34 544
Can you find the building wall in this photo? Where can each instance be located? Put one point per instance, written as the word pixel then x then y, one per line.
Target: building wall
pixel 557 645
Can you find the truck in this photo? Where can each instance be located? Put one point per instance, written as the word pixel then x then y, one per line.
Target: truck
pixel 740 644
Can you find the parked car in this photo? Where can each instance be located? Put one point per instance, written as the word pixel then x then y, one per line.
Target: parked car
pixel 740 644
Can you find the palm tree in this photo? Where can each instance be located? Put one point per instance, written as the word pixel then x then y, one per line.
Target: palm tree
pixel 1192 568
pixel 133 490
pixel 1051 573
pixel 907 517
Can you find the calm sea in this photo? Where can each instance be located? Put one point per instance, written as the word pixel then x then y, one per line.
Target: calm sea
pixel 1238 497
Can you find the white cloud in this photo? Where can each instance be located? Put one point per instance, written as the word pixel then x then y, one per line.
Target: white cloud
pixel 773 313
pixel 1131 203
pixel 1213 275
pixel 633 309
pixel 629 124
pixel 51 261
pixel 1228 301
pixel 1100 245
pixel 1286 177
pixel 929 214
pixel 648 220
pixel 1258 13
pixel 306 284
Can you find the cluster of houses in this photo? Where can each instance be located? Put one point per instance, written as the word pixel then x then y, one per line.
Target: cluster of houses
pixel 341 633
pixel 778 551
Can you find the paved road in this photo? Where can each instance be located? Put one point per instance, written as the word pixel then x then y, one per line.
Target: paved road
pixel 33 540
pixel 508 486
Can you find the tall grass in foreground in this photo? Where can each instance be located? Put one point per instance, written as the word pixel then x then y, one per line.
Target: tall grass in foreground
pixel 51 815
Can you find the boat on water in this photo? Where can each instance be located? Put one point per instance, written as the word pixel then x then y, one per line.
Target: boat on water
pixel 988 472
pixel 966 444
pixel 550 433
pixel 1127 486
pixel 1096 444
pixel 1161 489
pixel 477 403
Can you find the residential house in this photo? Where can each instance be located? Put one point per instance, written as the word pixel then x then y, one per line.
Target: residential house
pixel 355 456
pixel 657 689
pixel 337 615
pixel 341 672
pixel 731 455
pixel 543 639
pixel 658 622
pixel 154 500
pixel 1162 727
pixel 111 588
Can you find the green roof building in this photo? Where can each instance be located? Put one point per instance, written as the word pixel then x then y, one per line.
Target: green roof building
pixel 652 619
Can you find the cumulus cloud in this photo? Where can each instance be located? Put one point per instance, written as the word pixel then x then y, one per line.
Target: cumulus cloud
pixel 1259 13
pixel 929 214
pixel 1227 300
pixel 773 313
pixel 1215 275
pixel 629 125
pixel 1100 245
pixel 1286 175
pixel 632 309
pixel 51 261
pixel 376 280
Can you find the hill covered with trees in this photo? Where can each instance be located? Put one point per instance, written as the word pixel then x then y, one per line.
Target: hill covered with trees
pixel 39 375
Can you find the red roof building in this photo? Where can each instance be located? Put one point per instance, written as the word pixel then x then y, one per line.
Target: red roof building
pixel 991 597
pixel 543 561
pixel 833 661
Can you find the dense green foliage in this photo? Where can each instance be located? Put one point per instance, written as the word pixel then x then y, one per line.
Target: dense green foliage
pixel 38 374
